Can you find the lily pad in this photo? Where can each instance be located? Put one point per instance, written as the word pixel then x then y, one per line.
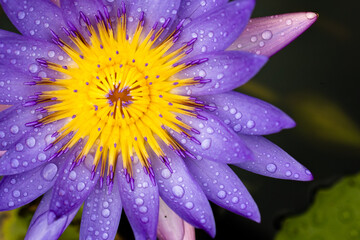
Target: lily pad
pixel 335 214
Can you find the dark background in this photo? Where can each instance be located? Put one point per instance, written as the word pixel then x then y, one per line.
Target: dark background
pixel 315 80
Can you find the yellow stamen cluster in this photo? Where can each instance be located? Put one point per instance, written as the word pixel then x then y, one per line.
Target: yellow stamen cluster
pixel 117 96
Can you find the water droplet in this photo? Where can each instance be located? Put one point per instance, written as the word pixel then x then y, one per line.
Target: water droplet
pixel 271 167
pixel 221 194
pixel 41 157
pixel 143 209
pixel 33 68
pixel 14 129
pixel 250 124
pixel 51 54
pixel 242 206
pixel 19 147
pixel 11 204
pixel 30 142
pixel 235 200
pixel 72 175
pixel 16 193
pixel 253 39
pixel 144 220
pixel 80 186
pixel 178 191
pixel 105 213
pixel 266 35
pixel 307 172
pixel 206 144
pixel 165 173
pixel 288 22
pixel 288 173
pixel 310 15
pixel 237 128
pixel 139 201
pixel 105 236
pixel 14 163
pixel 21 15
pixel 210 130
pixel 189 205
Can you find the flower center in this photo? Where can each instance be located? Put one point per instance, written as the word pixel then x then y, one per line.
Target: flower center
pixel 116 96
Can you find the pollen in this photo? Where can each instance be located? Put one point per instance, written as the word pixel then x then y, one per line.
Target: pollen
pixel 117 96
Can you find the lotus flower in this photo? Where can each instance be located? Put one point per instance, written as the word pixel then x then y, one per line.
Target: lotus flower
pixel 129 105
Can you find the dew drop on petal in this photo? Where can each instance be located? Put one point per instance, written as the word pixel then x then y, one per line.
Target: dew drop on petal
pixel 139 201
pixel 271 167
pixel 165 173
pixel 30 142
pixel 80 186
pixel 72 175
pixel 189 205
pixel 16 193
pixel 49 171
pixel 21 15
pixel 14 163
pixel 178 191
pixel 250 124
pixel 105 213
pixel 221 194
pixel 206 144
pixel 14 129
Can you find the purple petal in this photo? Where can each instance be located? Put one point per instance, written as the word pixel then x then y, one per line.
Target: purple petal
pixel 268 35
pixel 191 9
pixel 25 145
pixel 225 70
pixel 155 11
pixel 216 142
pixel 216 30
pixel 22 52
pixel 141 205
pixel 13 88
pixel 182 194
pixel 6 34
pixel 72 187
pixel 248 115
pixel 41 229
pixel 101 214
pixel 221 186
pixel 170 225
pixel 71 10
pixel 35 18
pixel 272 161
pixel 18 190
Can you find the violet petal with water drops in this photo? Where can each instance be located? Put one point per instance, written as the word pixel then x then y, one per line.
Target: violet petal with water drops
pixel 268 35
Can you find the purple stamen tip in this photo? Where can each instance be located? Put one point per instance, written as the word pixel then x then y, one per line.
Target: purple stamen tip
pixel 155 25
pixel 195 131
pixel 195 140
pixel 192 41
pixel 123 7
pixel 141 18
pixel 180 24
pixel 101 181
pixel 201 117
pixel 166 23
pixel 132 185
pixel 29 103
pixel 48 147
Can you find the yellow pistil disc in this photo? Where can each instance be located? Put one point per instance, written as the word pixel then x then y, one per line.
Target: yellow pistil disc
pixel 117 95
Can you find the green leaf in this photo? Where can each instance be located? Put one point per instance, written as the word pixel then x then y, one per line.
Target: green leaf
pixel 335 214
pixel 12 225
